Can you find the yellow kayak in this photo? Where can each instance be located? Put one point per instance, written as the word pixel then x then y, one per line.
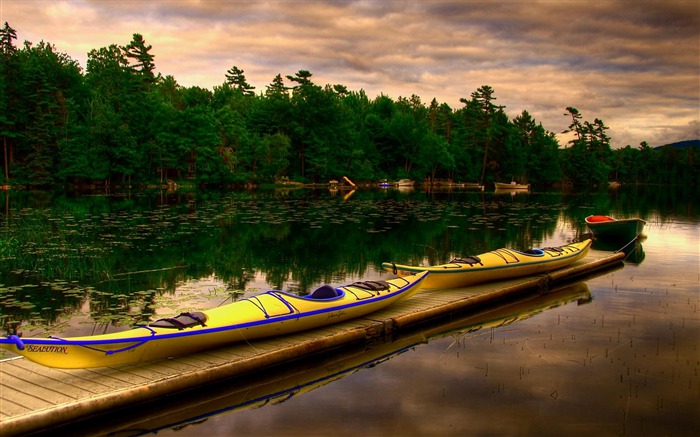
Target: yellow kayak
pixel 267 314
pixel 495 265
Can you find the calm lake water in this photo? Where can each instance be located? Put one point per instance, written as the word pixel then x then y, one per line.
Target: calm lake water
pixel 615 355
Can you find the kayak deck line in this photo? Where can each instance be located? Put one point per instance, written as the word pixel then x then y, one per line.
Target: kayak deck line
pixel 34 397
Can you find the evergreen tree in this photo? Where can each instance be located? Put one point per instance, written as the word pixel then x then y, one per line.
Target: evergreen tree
pixel 110 138
pixel 303 78
pixel 484 116
pixel 435 154
pixel 312 120
pixel 342 90
pixel 141 60
pixel 646 163
pixel 276 88
pixel 8 74
pixel 409 130
pixel 540 150
pixel 376 123
pixel 171 93
pixel 599 150
pixel 47 81
pixel 587 161
pixel 7 38
pixel 272 153
pixel 236 78
pixel 575 125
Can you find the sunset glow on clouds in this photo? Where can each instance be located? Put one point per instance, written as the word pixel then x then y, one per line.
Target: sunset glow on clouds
pixel 633 64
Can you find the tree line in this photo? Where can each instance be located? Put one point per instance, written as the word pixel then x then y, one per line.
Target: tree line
pixel 118 122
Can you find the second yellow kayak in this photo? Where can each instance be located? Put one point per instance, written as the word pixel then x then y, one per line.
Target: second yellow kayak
pixel 495 265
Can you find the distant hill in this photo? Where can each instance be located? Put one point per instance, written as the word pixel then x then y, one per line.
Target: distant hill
pixel 682 144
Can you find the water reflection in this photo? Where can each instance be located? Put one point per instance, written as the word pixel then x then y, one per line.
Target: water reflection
pixel 276 386
pixel 121 254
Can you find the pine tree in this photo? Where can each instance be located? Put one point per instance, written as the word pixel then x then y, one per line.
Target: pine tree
pixel 575 125
pixel 142 61
pixel 303 78
pixel 8 51
pixel 483 98
pixel 7 36
pixel 276 88
pixel 236 78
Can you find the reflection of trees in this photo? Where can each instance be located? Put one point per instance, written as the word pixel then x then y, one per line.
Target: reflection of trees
pixel 122 246
pixel 122 308
pixel 644 201
pixel 24 298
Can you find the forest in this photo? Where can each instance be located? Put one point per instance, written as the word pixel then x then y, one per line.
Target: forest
pixel 119 123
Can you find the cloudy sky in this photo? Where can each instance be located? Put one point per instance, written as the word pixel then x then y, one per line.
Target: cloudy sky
pixel 635 64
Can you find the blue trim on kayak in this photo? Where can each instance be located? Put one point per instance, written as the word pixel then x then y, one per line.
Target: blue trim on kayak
pixel 57 341
pixel 16 340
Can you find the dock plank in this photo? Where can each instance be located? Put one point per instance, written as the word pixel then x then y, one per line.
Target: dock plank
pixel 213 358
pixel 87 380
pixel 52 393
pixel 9 407
pixel 18 395
pixel 30 378
pixel 123 377
pixel 178 366
pixel 147 371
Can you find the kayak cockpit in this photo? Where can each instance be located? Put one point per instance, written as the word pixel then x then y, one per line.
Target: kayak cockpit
pixel 533 252
pixel 324 292
pixel 184 320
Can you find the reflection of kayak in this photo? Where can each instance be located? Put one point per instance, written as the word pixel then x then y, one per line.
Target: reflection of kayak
pixel 603 226
pixel 297 379
pixel 495 265
pixel 264 315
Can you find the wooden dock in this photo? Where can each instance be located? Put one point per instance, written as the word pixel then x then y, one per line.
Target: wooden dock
pixel 34 398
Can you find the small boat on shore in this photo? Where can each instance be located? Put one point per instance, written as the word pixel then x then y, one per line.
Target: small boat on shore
pixel 401 183
pixel 475 185
pixel 268 314
pixel 511 186
pixel 495 265
pixel 606 227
